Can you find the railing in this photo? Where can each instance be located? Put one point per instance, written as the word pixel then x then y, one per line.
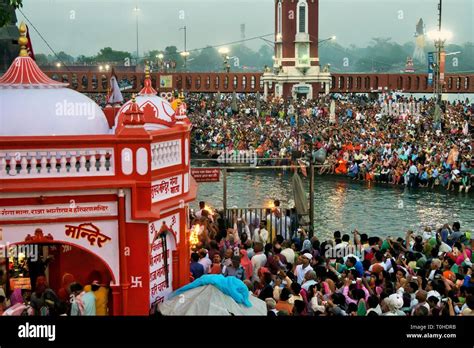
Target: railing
pixel 49 163
pixel 165 154
pixel 276 225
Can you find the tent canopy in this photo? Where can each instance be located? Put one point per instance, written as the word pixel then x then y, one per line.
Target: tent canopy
pixel 209 300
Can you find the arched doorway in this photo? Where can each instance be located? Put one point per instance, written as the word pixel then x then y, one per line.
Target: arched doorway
pixel 60 263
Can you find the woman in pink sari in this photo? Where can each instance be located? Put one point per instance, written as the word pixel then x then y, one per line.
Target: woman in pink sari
pixel 246 263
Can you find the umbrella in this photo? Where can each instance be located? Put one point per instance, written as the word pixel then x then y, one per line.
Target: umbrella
pixel 209 300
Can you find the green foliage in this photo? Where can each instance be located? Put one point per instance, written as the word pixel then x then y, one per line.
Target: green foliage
pixel 7 11
pixel 107 54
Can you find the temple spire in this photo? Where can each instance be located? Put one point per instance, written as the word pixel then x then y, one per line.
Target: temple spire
pixel 23 40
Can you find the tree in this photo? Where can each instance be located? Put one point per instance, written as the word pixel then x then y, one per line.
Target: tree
pixel 172 54
pixel 65 58
pixel 41 59
pixel 107 54
pixel 82 59
pixel 7 11
pixel 207 59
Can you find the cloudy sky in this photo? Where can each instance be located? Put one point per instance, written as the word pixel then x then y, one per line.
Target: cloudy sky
pixel 84 26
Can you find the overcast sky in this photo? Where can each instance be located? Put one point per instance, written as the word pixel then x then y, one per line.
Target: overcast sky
pixel 84 26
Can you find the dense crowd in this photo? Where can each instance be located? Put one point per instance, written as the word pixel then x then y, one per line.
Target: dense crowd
pixel 391 139
pixel 71 299
pixel 427 273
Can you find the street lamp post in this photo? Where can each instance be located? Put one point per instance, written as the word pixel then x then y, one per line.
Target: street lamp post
pixel 439 37
pixel 160 57
pixel 136 10
pixel 224 51
pixel 186 53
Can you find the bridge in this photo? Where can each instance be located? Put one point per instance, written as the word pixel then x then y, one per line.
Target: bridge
pixel 166 83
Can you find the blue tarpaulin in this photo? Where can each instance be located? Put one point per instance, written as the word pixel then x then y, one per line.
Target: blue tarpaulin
pixel 230 286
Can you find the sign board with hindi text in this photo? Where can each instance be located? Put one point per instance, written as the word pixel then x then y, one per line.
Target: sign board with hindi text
pixel 161 256
pixel 98 237
pixel 166 188
pixel 20 283
pixel 206 174
pixel 48 211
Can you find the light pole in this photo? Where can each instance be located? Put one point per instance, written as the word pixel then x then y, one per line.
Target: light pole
pixel 185 53
pixel 224 51
pixel 136 10
pixel 439 37
pixel 160 57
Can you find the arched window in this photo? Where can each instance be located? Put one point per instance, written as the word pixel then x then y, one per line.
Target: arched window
pixel 340 84
pixel 333 81
pixel 244 82
pixel 197 82
pixel 226 82
pixel 359 82
pixel 279 19
pixel 236 82
pixel 74 82
pixel 252 82
pixel 376 83
pixel 409 83
pixel 400 82
pixel 188 82
pixel 417 83
pixel 94 82
pixel 450 83
pixel 349 82
pixel 458 83
pixel 104 82
pixel 179 82
pixel 466 82
pixel 217 82
pixel 208 82
pixel 367 82
pixel 302 16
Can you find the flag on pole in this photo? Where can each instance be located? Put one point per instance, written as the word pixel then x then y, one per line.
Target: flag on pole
pixel 29 46
pixel 115 95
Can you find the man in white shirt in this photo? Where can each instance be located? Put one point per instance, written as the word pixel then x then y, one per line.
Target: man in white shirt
pixel 204 260
pixel 309 279
pixel 258 260
pixel 261 235
pixel 304 267
pixel 288 252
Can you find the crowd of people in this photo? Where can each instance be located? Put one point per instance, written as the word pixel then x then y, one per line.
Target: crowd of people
pixel 390 139
pixel 427 273
pixel 71 299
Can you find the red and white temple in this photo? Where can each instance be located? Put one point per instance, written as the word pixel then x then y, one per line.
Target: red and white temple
pixel 107 198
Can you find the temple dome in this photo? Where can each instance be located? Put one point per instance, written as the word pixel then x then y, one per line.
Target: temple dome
pixel 157 112
pixel 32 104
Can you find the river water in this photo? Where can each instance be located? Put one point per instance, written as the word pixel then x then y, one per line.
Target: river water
pixel 343 205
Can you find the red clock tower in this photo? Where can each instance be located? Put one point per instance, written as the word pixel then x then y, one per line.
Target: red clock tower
pixel 296 71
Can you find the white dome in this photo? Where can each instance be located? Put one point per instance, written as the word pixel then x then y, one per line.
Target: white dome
pixel 49 111
pixel 157 112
